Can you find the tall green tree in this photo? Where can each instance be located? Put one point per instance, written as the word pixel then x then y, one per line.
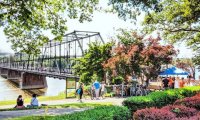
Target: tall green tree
pixel 25 20
pixel 179 20
pixel 176 20
pixel 91 63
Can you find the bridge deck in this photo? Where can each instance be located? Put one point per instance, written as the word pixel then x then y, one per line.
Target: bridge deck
pixel 46 73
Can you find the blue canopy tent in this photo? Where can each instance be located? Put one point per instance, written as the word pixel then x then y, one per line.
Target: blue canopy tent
pixel 173 71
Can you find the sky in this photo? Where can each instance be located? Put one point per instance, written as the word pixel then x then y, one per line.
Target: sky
pixel 105 23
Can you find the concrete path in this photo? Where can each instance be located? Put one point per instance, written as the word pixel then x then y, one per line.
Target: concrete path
pixel 12 114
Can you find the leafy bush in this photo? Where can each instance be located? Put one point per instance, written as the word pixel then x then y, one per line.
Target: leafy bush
pixel 153 114
pixel 170 112
pixel 181 111
pixel 196 117
pixel 190 101
pixel 159 98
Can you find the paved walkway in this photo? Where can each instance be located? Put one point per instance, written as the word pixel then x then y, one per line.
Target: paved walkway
pixel 11 114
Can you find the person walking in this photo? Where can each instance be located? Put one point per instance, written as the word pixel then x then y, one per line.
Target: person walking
pixel 171 82
pixel 92 92
pixel 176 83
pixel 165 83
pixel 182 83
pixel 80 92
pixel 102 89
pixel 97 86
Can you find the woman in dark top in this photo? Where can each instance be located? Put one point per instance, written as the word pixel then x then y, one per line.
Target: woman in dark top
pixel 20 102
pixel 81 91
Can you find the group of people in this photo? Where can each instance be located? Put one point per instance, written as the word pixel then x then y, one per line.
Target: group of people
pixel 97 89
pixel 33 103
pixel 172 82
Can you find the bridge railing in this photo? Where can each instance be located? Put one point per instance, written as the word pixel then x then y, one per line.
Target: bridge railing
pixel 55 56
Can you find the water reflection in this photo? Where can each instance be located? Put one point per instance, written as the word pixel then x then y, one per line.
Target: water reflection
pixel 10 91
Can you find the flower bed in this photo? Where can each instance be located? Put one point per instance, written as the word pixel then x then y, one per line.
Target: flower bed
pixel 160 98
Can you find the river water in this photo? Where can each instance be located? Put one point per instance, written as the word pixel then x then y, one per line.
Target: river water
pixel 9 91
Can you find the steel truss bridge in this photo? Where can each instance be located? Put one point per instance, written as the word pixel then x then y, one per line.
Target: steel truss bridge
pixel 56 58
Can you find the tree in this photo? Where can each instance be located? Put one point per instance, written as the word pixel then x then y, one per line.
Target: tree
pixel 177 20
pixel 136 55
pixel 126 57
pixel 25 20
pixel 91 63
pixel 187 65
pixel 154 55
pixel 130 9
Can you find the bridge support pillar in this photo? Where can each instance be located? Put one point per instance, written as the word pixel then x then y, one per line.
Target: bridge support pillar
pixel 14 76
pixel 4 72
pixel 32 81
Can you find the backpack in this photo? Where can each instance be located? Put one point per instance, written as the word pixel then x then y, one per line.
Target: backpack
pixel 78 91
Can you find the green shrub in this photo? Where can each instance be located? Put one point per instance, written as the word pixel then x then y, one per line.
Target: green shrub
pixel 99 113
pixel 159 98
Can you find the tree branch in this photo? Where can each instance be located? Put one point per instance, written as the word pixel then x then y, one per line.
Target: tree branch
pixel 4 4
pixel 182 29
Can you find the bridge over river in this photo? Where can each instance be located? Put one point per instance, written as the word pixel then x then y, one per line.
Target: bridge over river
pixel 55 60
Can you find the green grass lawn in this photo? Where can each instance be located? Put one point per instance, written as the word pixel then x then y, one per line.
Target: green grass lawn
pixel 41 98
pixel 61 96
pixel 73 105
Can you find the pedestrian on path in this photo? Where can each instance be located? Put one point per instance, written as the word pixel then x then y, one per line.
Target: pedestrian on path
pixel 92 92
pixel 165 83
pixel 102 89
pixel 182 83
pixel 80 92
pixel 97 88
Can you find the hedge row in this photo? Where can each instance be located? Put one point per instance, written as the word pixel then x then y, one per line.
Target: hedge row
pixel 159 98
pixel 100 113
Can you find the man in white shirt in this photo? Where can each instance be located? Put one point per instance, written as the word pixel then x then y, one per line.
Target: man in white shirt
pixel 34 100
